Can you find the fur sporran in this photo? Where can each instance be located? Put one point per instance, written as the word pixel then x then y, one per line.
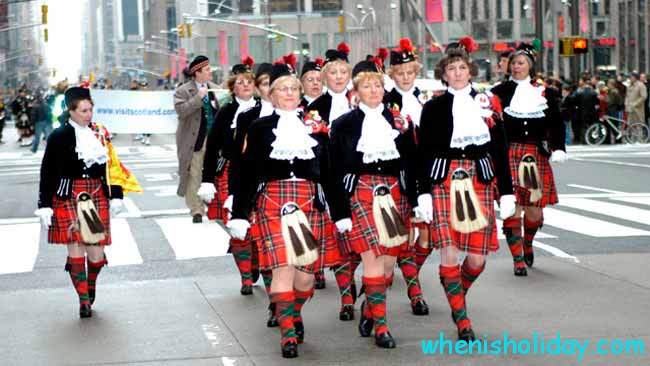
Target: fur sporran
pixel 466 211
pixel 529 177
pixel 391 228
pixel 299 241
pixel 91 227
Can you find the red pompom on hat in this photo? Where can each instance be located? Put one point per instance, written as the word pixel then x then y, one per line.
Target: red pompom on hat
pixel 343 47
pixel 319 61
pixel 249 61
pixel 469 44
pixel 290 60
pixel 382 53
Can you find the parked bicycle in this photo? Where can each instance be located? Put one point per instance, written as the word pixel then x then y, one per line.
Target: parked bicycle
pixel 629 132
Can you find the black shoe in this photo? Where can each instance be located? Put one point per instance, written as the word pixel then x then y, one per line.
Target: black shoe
pixel 300 331
pixel 466 335
pixel 420 308
pixel 385 340
pixel 246 290
pixel 347 313
pixel 91 296
pixel 319 284
pixel 521 272
pixel 365 324
pixel 529 259
pixel 85 311
pixel 290 350
pixel 255 274
pixel 197 219
pixel 353 292
pixel 272 322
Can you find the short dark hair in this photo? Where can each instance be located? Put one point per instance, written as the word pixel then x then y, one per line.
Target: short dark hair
pixel 453 55
pixel 74 104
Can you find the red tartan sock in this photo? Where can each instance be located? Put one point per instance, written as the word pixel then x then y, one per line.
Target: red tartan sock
pixel 241 251
pixel 375 288
pixel 355 261
pixel 76 267
pixel 284 313
pixel 343 280
pixel 421 255
pixel 267 277
pixel 301 299
pixel 255 257
pixel 530 229
pixel 93 272
pixel 512 231
pixel 451 282
pixel 406 263
pixel 470 274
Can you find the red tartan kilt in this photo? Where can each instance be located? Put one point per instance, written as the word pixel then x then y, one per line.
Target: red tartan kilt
pixel 272 248
pixel 364 236
pixel 64 221
pixel 443 235
pixel 331 254
pixel 549 192
pixel 215 208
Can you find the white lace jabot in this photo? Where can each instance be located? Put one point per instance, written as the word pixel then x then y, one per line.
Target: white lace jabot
pixel 377 141
pixel 528 101
pixel 469 125
pixel 410 105
pixel 292 139
pixel 88 147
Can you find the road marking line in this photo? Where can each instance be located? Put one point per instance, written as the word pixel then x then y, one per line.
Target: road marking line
pixel 639 200
pixel 19 247
pixel 555 251
pixel 158 177
pixel 609 209
pixel 590 188
pixel 588 226
pixel 131 207
pixel 189 240
pixel 124 250
pixel 612 162
pixel 539 233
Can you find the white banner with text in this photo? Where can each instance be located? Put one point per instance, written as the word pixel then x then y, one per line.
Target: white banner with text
pixel 127 111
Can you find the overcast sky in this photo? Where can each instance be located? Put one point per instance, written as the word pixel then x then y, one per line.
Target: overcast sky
pixel 63 50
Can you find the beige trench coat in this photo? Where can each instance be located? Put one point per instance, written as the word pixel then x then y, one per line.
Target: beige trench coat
pixel 634 102
pixel 189 107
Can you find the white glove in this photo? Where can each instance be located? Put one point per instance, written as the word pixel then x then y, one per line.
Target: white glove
pixel 559 156
pixel 507 206
pixel 238 228
pixel 424 211
pixel 45 214
pixel 344 225
pixel 228 203
pixel 206 192
pixel 117 206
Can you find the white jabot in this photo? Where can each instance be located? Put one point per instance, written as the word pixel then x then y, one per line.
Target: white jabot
pixel 377 141
pixel 267 108
pixel 469 125
pixel 308 98
pixel 389 84
pixel 528 101
pixel 340 104
pixel 244 105
pixel 410 105
pixel 292 139
pixel 88 147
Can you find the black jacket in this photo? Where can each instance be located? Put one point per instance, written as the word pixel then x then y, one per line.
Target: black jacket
pixel 394 97
pixel 244 121
pixel 549 129
pixel 348 166
pixel 436 129
pixel 61 164
pixel 323 105
pixel 257 167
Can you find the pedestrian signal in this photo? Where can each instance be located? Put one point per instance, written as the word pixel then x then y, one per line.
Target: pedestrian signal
pixel 566 47
pixel 341 24
pixel 580 45
pixel 188 30
pixel 181 30
pixel 44 14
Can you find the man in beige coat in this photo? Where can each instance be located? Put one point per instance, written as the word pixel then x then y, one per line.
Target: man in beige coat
pixel 196 108
pixel 635 99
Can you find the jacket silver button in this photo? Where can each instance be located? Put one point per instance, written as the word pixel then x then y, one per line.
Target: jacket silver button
pixel 291 162
pixel 525 123
pixel 526 133
pixel 379 169
pixel 291 174
pixel 463 155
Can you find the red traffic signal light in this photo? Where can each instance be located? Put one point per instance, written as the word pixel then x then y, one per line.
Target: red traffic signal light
pixel 580 45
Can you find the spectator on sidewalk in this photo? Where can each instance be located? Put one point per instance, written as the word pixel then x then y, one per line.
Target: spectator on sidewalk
pixel 3 118
pixel 42 116
pixel 586 104
pixel 567 109
pixel 196 107
pixel 635 99
pixel 646 106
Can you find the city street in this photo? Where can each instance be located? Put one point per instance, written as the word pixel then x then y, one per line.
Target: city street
pixel 170 294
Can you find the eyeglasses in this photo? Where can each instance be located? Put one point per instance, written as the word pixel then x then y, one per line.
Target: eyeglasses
pixel 243 82
pixel 287 89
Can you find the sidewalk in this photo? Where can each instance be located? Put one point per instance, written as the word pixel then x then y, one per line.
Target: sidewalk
pixel 204 321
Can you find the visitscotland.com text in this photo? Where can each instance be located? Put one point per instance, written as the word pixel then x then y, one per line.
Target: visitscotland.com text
pixel 136 112
pixel 539 345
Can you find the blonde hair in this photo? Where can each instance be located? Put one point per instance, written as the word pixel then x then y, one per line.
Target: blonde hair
pixel 230 83
pixel 393 68
pixel 277 81
pixel 336 62
pixel 362 76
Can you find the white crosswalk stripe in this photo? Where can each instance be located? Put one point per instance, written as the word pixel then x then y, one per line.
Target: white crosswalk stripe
pixel 124 250
pixel 19 247
pixel 189 240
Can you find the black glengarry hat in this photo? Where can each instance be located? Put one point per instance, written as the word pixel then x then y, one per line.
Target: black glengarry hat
pixel 279 70
pixel 365 66
pixel 263 69
pixel 340 53
pixel 316 65
pixel 244 67
pixel 404 53
pixel 76 93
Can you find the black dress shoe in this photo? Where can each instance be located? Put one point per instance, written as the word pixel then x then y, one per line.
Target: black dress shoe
pixel 197 219
pixel 246 290
pixel 91 296
pixel 300 331
pixel 347 313
pixel 365 324
pixel 290 350
pixel 255 274
pixel 466 335
pixel 85 311
pixel 529 259
pixel 272 322
pixel 521 272
pixel 319 284
pixel 420 308
pixel 385 340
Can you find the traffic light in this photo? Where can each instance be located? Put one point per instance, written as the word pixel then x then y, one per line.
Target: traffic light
pixel 44 14
pixel 181 30
pixel 580 45
pixel 566 47
pixel 341 24
pixel 45 35
pixel 188 30
pixel 40 60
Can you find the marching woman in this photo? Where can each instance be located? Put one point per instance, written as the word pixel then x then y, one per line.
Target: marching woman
pixel 78 178
pixel 311 81
pixel 405 102
pixel 373 166
pixel 216 165
pixel 328 107
pixel 536 133
pixel 289 161
pixel 461 150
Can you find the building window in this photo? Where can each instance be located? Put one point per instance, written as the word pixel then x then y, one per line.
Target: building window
pixel 318 44
pixel 511 9
pixel 499 10
pixel 258 47
pixel 607 5
pixel 327 5
pixel 474 13
pixel 504 29
pixel 218 8
pixel 450 10
pixel 247 6
pixel 486 8
pixel 480 30
pixel 463 15
pixel 285 6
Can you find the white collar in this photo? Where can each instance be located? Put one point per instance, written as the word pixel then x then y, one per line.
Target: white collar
pixel 411 106
pixel 292 139
pixel 87 145
pixel 340 104
pixel 526 80
pixel 267 108
pixel 377 141
pixel 464 91
pixel 469 127
pixel 408 92
pixel 242 106
pixel 527 101
pixel 308 98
